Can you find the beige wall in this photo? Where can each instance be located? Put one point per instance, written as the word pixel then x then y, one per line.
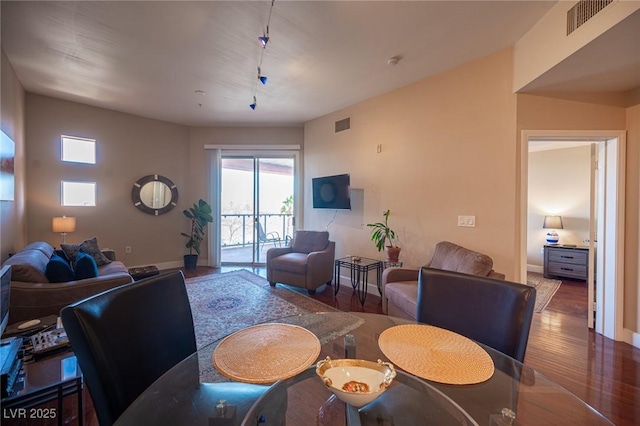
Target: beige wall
pixel 128 148
pixel 12 213
pixel 201 136
pixel 632 225
pixel 450 146
pixel 545 113
pixel 558 184
pixel 447 150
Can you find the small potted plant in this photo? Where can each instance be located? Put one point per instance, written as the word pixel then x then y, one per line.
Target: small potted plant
pixel 199 215
pixel 380 233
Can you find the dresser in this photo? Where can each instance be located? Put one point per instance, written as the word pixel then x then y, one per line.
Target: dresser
pixel 566 261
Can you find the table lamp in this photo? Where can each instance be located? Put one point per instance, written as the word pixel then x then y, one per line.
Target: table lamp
pixel 63 225
pixel 552 223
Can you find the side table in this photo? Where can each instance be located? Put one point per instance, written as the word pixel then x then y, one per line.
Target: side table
pixel 49 379
pixel 359 268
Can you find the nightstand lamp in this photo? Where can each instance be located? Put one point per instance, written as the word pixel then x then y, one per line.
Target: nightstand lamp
pixel 63 225
pixel 552 223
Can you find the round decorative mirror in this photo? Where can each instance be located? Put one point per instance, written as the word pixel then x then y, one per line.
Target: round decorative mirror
pixel 154 194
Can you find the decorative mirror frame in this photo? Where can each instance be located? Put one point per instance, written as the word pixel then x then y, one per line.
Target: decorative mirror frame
pixel 137 201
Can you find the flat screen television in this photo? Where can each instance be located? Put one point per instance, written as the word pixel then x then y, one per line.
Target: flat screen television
pixel 332 192
pixel 5 291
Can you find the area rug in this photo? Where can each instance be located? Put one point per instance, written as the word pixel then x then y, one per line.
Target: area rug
pixel 545 289
pixel 224 303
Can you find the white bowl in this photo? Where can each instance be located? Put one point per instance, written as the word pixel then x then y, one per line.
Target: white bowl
pixel 355 381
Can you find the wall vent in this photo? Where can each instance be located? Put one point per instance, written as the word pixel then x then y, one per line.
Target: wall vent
pixel 583 11
pixel 344 124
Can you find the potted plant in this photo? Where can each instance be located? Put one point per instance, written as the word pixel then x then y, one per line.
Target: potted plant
pixel 200 215
pixel 380 233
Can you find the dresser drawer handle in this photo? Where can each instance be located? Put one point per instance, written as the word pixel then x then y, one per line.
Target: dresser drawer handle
pixel 567 269
pixel 566 257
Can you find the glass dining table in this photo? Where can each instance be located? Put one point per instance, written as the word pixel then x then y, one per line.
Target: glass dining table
pixel 194 393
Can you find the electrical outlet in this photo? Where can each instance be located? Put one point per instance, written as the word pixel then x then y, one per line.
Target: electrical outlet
pixel 467 221
pixel 127 249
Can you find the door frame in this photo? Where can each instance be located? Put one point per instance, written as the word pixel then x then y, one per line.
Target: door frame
pixel 215 154
pixel 610 302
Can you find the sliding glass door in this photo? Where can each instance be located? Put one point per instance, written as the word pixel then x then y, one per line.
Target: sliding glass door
pixel 257 206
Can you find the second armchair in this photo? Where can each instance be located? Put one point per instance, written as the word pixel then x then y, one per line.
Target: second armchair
pixel 306 263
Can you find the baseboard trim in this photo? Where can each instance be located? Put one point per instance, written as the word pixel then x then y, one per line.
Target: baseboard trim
pixel 535 268
pixel 631 337
pixel 372 287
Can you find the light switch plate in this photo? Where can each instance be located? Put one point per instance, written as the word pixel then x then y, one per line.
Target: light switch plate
pixel 467 221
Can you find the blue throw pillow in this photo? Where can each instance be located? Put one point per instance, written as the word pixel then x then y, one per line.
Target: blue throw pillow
pixel 85 266
pixel 58 270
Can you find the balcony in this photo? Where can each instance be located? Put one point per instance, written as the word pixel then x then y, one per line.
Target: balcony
pixel 238 234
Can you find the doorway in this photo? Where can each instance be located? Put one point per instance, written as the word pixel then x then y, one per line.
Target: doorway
pixel 610 213
pixel 560 219
pixel 256 206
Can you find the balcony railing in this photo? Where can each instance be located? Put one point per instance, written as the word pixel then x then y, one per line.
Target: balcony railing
pixel 238 229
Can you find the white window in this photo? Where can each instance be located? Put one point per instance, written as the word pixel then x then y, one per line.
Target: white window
pixel 78 193
pixel 78 150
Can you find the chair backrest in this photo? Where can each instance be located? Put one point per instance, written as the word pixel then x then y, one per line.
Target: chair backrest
pixel 494 312
pixel 452 257
pixel 127 337
pixel 260 231
pixel 309 241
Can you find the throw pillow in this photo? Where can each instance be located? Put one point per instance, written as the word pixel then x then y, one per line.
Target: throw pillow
pixel 58 270
pixel 62 254
pixel 89 246
pixel 85 266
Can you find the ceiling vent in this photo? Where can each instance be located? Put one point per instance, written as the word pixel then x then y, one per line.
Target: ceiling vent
pixel 583 11
pixel 344 124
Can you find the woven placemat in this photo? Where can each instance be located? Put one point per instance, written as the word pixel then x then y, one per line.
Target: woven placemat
pixel 266 353
pixel 436 354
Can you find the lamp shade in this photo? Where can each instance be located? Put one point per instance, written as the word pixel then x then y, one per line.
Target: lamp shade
pixel 63 224
pixel 552 222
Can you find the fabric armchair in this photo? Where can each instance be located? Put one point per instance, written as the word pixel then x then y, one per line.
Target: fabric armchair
pixel 306 263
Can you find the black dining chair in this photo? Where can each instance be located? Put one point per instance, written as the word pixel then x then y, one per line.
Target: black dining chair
pixel 127 337
pixel 494 312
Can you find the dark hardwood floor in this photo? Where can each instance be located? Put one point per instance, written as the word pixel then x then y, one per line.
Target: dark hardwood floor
pixel 600 371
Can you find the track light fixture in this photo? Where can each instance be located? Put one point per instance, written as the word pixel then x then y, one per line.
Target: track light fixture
pixel 264 40
pixel 262 78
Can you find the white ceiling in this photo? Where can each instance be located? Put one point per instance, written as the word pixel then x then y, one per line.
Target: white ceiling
pixel 149 58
